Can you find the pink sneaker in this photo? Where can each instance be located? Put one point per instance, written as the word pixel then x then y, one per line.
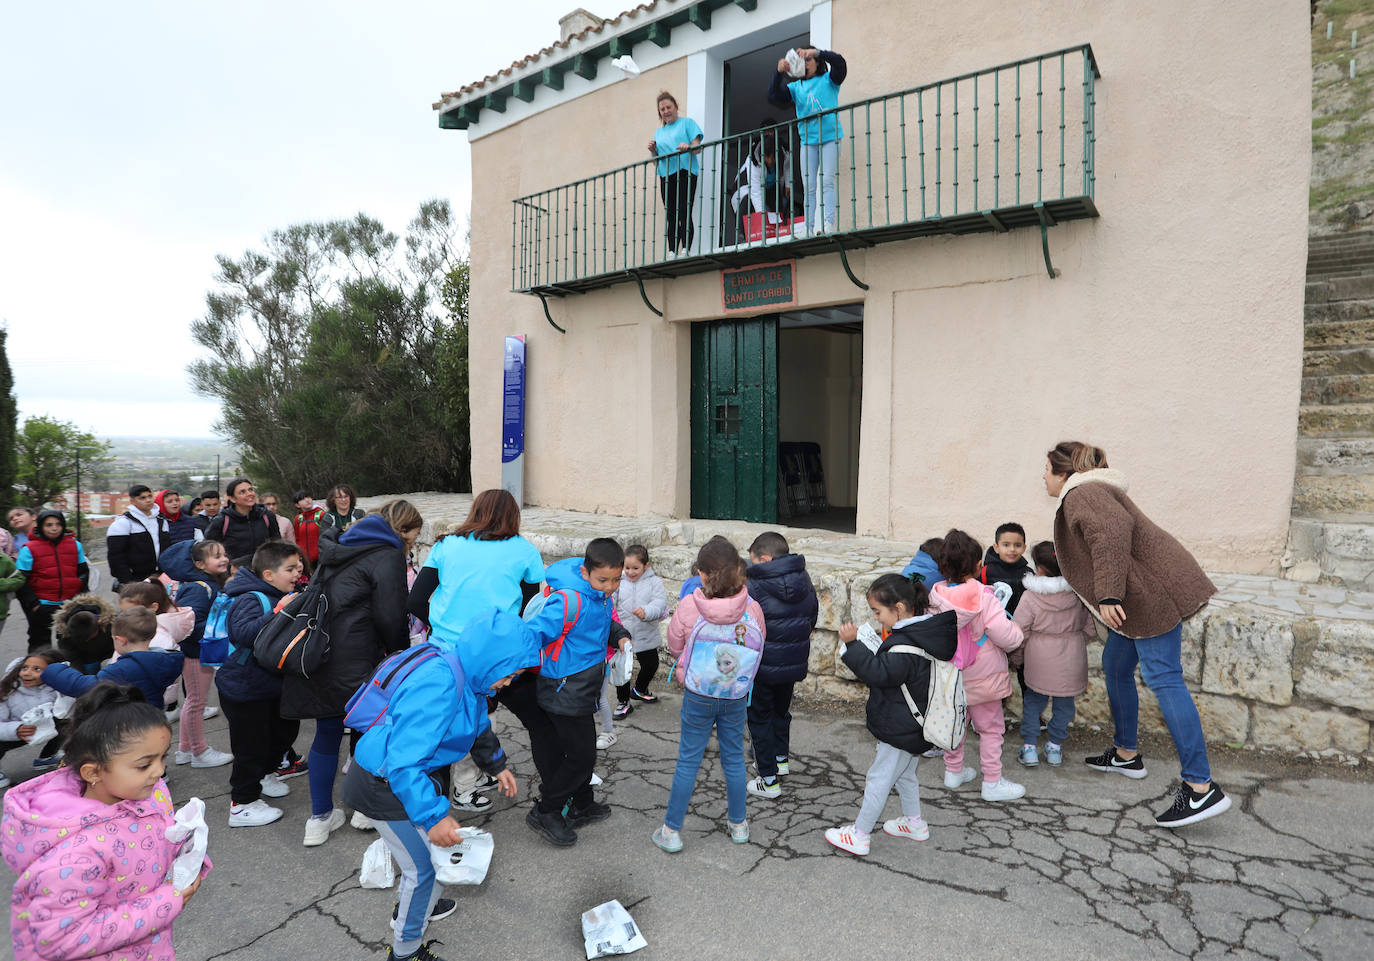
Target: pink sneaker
pixel 907 827
pixel 848 838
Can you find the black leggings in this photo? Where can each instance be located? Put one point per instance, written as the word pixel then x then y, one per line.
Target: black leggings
pixel 679 191
pixel 519 697
pixel 648 668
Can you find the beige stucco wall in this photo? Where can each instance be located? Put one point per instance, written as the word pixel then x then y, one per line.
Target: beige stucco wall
pixel 1173 337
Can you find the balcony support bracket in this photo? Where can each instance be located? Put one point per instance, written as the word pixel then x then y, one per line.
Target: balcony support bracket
pixel 548 316
pixel 844 262
pixel 642 295
pixel 1046 222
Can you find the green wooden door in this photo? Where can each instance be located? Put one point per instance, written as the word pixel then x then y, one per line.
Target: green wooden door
pixel 735 419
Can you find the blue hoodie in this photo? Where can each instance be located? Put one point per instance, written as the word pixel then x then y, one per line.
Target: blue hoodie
pixel 585 645
pixel 195 589
pixel 430 722
pixel 924 565
pixel 241 679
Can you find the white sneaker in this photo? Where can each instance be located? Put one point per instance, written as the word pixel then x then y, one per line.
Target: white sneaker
pixel 907 827
pixel 596 780
pixel 933 752
pixel 799 231
pixel 4 781
pixel 209 712
pixel 957 779
pixel 761 788
pixel 848 838
pixel 605 739
pixel 209 758
pixel 185 757
pixel 174 715
pixel 472 801
pixel 362 822
pixel 1002 790
pixel 317 830
pixel 252 815
pixel 272 786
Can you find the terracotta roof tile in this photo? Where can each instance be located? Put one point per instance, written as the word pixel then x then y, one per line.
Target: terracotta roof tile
pixel 539 55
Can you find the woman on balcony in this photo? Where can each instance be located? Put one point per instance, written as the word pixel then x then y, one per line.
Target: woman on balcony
pixel 674 143
pixel 816 90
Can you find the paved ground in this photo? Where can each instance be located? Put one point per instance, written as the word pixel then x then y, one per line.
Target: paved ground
pixel 1075 870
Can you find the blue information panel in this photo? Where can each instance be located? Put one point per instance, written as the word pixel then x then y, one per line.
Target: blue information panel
pixel 513 419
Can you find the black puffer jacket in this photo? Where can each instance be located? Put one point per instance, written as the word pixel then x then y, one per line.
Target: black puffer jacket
pixel 367 617
pixel 889 718
pixel 1013 575
pixel 242 535
pixel 784 591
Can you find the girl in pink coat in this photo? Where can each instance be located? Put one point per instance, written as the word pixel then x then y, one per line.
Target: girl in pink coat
pixel 88 841
pixel 986 681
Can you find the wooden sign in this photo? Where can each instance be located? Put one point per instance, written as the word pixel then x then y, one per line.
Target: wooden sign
pixel 760 287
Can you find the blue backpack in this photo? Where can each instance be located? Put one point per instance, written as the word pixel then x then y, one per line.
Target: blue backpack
pixel 214 643
pixel 367 707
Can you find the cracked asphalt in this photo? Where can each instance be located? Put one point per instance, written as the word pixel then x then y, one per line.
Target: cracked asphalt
pixel 1076 869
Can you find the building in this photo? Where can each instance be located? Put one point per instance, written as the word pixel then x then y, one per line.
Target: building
pixel 1054 221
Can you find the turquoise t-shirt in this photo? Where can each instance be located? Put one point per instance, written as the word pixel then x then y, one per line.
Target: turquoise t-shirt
pixel 475 576
pixel 667 137
pixel 812 96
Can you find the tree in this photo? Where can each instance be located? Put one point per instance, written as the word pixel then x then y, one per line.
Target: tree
pixel 48 450
pixel 339 355
pixel 9 425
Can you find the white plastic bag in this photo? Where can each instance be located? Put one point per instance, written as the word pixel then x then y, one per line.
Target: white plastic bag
pixel 378 871
pixel 627 64
pixel 796 65
pixel 188 826
pixel 62 706
pixel 608 929
pixel 622 665
pixel 41 717
pixel 467 861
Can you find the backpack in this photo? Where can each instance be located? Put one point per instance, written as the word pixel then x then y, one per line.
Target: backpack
pixel 239 654
pixel 721 660
pixel 368 705
pixel 214 642
pixel 946 711
pixel 224 528
pixel 555 647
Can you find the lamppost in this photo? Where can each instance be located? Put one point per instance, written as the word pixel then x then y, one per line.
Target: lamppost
pixel 78 489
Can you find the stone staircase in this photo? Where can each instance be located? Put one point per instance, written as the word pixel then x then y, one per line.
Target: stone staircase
pixel 1332 532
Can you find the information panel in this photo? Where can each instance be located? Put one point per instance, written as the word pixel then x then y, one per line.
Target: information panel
pixel 513 419
pixel 761 287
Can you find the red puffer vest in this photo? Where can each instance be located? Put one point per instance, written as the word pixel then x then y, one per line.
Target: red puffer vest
pixel 308 532
pixel 54 576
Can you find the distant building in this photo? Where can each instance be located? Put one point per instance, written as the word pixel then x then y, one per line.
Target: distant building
pixel 94 502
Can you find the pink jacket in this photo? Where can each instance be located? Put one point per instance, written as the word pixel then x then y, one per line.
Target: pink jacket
pixel 1058 629
pixel 717 610
pixel 978 609
pixel 93 878
pixel 173 628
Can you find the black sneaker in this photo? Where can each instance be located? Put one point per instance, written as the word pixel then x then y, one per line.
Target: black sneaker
pixel 423 953
pixel 1189 807
pixel 442 909
pixel 551 825
pixel 647 697
pixel 1109 760
pixel 622 710
pixel 290 769
pixel 591 814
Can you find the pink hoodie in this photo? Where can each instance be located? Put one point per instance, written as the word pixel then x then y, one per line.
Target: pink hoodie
pixel 976 606
pixel 173 628
pixel 717 610
pixel 93 878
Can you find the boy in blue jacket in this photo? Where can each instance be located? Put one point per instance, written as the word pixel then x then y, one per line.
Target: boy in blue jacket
pixel 152 672
pixel 431 722
pixel 251 697
pixel 572 671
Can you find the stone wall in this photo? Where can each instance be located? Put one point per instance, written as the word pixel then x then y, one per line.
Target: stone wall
pixel 1273 664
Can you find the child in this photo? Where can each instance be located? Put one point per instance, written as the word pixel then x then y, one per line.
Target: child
pixel 1058 629
pixel 83 632
pixel 779 582
pixel 722 599
pixel 54 562
pixel 641 602
pixel 180 527
pixel 985 680
pixel 89 840
pixel 926 562
pixel 151 671
pixel 21 690
pixel 1005 562
pixel 173 623
pixel 899 604
pixel 572 672
pixel 201 570
pixel 308 522
pixel 259 736
pixel 10 581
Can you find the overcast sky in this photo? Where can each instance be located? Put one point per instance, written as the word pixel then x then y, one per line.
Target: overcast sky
pixel 140 140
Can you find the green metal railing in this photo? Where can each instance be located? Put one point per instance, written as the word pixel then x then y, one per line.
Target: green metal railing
pixel 911 163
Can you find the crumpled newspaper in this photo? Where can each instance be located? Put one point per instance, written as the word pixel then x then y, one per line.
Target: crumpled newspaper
pixel 189 826
pixel 608 929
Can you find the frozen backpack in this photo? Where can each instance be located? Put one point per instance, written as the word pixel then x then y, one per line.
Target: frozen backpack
pixel 721 660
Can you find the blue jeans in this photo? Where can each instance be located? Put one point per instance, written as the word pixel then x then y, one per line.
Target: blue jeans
pixel 1033 705
pixel 699 715
pixel 1161 667
pixel 825 156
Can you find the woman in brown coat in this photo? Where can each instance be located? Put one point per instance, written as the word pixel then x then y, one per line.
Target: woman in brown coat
pixel 1140 582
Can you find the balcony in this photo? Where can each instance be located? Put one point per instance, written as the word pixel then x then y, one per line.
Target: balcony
pixel 1008 147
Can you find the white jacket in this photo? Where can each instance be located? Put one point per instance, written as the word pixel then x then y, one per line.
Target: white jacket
pixel 648 593
pixel 13 708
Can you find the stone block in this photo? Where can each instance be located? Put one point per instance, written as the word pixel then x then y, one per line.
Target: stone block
pixel 1294 729
pixel 838 666
pixel 822 659
pixel 1192 646
pixel 1224 719
pixel 1340 665
pixel 850 691
pixel 1251 656
pixel 673 562
pixel 832 593
pixel 1093 708
pixel 859 584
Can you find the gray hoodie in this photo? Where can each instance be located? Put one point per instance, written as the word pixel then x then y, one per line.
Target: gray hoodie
pixel 648 593
pixel 14 707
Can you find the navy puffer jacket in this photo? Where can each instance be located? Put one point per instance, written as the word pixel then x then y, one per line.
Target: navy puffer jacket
pixel 784 591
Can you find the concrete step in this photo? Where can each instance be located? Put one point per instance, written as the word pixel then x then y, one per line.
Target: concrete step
pixel 1362 269
pixel 1340 288
pixel 1339 547
pixel 1360 258
pixel 1336 420
pixel 1333 493
pixel 1339 360
pixel 1335 456
pixel 1353 238
pixel 1341 335
pixel 1338 389
pixel 1338 311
